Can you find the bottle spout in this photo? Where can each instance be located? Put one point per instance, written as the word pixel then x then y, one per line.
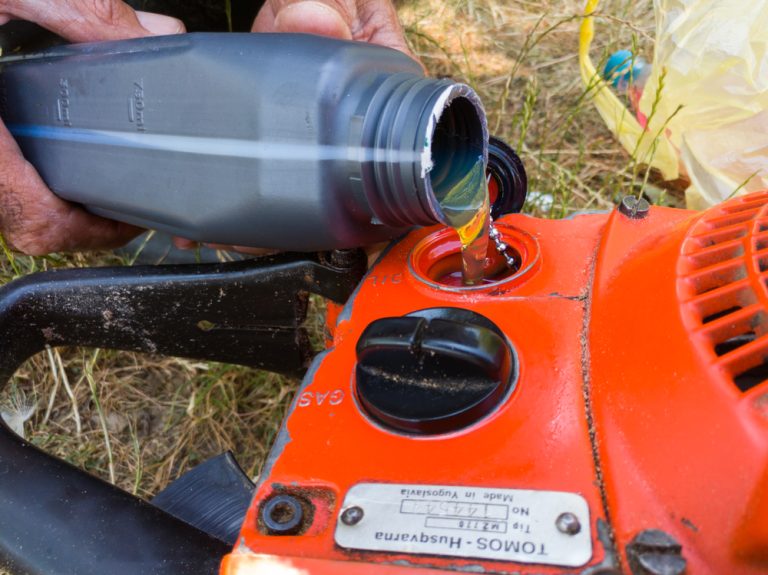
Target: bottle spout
pixel 438 130
pixel 455 139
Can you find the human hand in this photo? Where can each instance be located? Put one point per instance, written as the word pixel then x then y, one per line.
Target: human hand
pixel 32 219
pixel 373 21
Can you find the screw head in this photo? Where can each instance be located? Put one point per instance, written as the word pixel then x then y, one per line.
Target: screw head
pixel 352 515
pixel 344 258
pixel 634 208
pixel 282 515
pixel 654 552
pixel 568 523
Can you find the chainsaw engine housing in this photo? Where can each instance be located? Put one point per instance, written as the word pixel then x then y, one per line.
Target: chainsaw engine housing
pixel 601 408
pixel 610 416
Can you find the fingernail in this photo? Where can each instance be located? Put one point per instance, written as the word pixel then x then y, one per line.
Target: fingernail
pixel 160 25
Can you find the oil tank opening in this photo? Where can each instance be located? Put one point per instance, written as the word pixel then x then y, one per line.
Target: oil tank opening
pixel 436 260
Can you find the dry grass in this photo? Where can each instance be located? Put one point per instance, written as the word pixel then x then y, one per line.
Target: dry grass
pixel 521 57
pixel 140 421
pixel 143 420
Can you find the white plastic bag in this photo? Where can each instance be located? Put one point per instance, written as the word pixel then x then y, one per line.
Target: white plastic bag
pixel 709 86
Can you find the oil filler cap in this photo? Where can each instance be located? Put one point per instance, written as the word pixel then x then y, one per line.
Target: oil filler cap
pixel 433 371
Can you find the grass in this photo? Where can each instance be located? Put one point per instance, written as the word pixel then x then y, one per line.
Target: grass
pixel 140 421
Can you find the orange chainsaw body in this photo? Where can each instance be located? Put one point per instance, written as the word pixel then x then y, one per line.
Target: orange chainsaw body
pixel 640 350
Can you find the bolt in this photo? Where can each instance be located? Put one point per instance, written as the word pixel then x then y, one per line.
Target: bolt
pixel 568 523
pixel 282 515
pixel 653 552
pixel 352 516
pixel 345 258
pixel 634 208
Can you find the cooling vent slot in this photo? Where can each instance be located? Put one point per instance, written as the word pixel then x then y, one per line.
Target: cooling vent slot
pixel 752 377
pixel 720 313
pixel 723 285
pixel 734 343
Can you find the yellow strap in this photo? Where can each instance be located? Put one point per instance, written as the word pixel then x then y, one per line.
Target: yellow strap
pixel 616 116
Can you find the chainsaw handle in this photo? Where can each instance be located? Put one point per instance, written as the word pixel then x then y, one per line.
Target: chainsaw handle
pixel 248 312
pixel 56 519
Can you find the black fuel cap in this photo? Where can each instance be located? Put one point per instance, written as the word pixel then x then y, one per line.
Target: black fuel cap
pixel 433 371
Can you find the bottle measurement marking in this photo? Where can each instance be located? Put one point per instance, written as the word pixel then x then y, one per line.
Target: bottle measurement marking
pixel 137 105
pixel 64 103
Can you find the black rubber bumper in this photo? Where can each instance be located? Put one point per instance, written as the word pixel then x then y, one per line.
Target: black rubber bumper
pixel 55 519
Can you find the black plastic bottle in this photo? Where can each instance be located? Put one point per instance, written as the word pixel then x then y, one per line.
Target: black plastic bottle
pixel 274 140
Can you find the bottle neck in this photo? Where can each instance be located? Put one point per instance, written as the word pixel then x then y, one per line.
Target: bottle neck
pixel 425 136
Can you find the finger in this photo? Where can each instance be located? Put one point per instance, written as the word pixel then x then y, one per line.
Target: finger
pixel 93 20
pixel 184 243
pixel 265 19
pixel 373 21
pixel 242 249
pixel 36 222
pixel 304 16
pixel 311 17
pixel 377 22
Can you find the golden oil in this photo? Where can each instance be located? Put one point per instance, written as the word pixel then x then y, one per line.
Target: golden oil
pixel 467 209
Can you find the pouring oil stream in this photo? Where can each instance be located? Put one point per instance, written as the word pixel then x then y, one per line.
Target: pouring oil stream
pixel 466 208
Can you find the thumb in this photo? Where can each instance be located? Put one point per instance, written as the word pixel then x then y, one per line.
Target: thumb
pixel 304 16
pixel 373 21
pixel 93 20
pixel 311 17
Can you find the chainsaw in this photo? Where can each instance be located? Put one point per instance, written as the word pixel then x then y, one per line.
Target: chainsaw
pixel 598 408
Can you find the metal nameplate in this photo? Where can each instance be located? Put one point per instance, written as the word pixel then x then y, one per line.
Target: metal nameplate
pixel 525 526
